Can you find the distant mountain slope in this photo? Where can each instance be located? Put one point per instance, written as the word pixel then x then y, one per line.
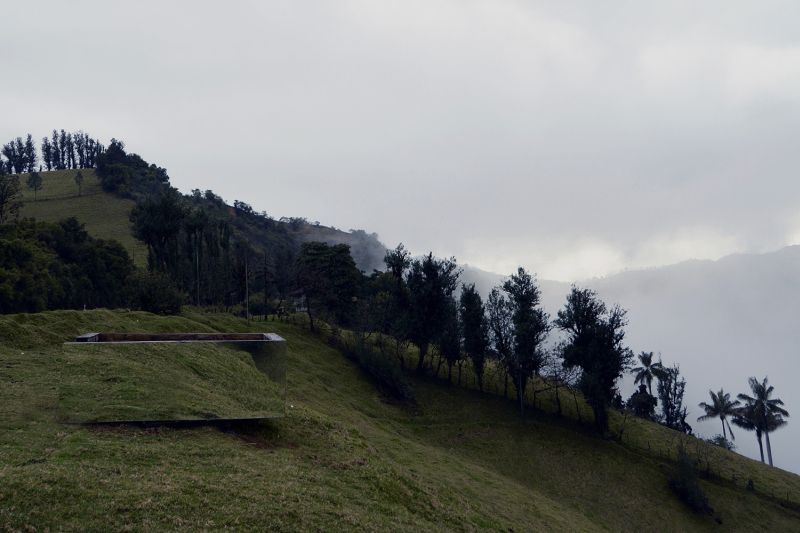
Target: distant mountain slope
pixel 722 321
pixel 366 248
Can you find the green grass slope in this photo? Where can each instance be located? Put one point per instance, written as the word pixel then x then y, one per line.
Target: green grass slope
pixel 171 381
pixel 341 458
pixel 105 216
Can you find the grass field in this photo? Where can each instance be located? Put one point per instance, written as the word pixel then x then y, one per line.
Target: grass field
pixel 104 215
pixel 341 458
pixel 165 381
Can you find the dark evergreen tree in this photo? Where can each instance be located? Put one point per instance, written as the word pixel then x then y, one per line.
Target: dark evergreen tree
pixel 431 282
pixel 70 152
pixel 158 222
pixel 475 330
pixel 30 154
pixel 21 164
pixel 594 344
pixel 531 325
pixel 449 342
pixel 79 140
pixel 62 147
pixel 56 154
pixel 671 387
pixel 642 403
pixel 47 153
pixel 329 281
pixel 501 331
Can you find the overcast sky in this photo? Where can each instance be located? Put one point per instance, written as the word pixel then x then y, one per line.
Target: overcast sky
pixel 576 138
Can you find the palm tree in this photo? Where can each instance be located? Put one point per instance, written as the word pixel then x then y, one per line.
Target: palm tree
pixel 648 370
pixel 767 412
pixel 746 419
pixel 720 407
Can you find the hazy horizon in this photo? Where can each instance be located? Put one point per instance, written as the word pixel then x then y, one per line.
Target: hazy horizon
pixel 576 139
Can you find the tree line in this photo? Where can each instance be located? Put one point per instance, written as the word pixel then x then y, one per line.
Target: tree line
pixel 62 150
pixel 418 302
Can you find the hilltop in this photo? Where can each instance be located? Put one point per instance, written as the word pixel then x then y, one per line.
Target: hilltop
pixel 342 456
pixel 107 216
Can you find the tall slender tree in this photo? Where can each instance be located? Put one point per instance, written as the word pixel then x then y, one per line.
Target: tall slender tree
pixel 747 418
pixel 449 341
pixel 56 154
pixel 721 407
pixel 671 388
pixel 47 153
pixel 475 330
pixel 498 314
pixel 767 412
pixel 30 154
pixel 647 370
pixel 531 325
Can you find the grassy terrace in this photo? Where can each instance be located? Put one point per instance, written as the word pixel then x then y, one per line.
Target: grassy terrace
pixel 105 215
pixel 342 455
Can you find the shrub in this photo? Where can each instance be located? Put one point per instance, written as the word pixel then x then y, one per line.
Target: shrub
pixel 155 292
pixel 385 371
pixel 722 442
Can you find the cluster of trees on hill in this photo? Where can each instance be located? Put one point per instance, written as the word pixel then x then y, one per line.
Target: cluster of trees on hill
pixel 64 150
pixel 53 266
pixel 759 413
pixel 416 301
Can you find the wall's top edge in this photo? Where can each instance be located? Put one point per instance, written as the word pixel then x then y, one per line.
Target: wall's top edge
pixel 134 338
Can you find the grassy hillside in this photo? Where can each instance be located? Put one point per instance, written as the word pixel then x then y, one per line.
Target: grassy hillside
pixel 341 457
pixel 172 381
pixel 105 215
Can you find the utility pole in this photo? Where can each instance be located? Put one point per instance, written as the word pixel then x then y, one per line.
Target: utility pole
pixel 246 287
pixel 197 265
pixel 265 285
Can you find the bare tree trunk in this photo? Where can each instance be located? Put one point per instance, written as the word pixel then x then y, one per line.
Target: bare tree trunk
pixel 423 351
pixel 769 448
pixel 558 398
pixel 577 407
pixel 310 317
pixel 760 447
pixel 724 433
pixel 197 265
pixel 246 289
